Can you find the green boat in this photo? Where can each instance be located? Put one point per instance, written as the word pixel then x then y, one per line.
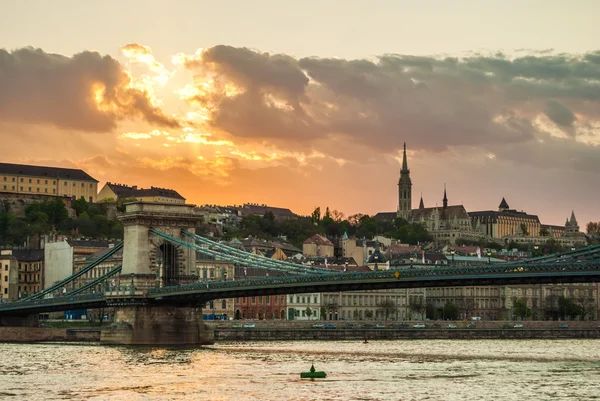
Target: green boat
pixel 313 374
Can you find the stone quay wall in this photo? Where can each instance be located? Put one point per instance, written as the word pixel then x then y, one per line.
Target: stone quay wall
pixel 42 334
pixel 283 334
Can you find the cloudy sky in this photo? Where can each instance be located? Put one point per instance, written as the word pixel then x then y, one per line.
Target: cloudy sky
pixel 304 104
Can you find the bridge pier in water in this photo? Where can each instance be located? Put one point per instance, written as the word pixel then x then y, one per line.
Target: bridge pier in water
pixel 150 262
pixel 157 325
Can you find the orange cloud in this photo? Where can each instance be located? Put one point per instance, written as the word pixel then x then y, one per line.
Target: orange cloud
pixel 87 92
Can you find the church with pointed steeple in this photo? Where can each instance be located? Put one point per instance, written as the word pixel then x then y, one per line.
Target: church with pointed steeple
pixel 446 223
pixel 404 189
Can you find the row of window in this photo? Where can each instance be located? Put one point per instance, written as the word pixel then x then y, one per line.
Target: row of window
pixel 304 300
pixel 65 183
pixel 261 301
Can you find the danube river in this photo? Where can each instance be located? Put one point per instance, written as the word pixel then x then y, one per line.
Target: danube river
pixel 379 370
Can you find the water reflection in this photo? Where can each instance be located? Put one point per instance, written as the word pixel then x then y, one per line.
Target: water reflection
pixel 386 370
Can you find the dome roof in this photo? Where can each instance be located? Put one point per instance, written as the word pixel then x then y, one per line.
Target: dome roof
pixel 377 257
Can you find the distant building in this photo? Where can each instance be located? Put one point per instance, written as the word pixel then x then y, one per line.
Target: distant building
pixel 60 255
pixel 446 223
pixel 304 306
pixel 51 181
pixel 20 273
pixel 278 212
pixel 153 194
pixel 567 236
pixel 553 231
pixel 506 222
pixel 317 245
pixel 222 217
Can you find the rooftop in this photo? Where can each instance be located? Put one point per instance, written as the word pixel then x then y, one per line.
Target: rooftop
pixel 44 171
pixel 125 191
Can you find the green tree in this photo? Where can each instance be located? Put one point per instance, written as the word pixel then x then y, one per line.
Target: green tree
pixel 80 206
pixel 544 232
pixel 568 308
pixel 450 311
pixel 309 312
pixel 315 217
pixel 520 308
pixel 430 312
pixel 388 308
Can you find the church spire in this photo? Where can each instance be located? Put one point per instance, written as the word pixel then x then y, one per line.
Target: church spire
pixel 421 205
pixel 445 197
pixel 404 161
pixel 404 189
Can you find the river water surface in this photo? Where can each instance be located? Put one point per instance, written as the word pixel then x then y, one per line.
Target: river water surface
pixel 379 370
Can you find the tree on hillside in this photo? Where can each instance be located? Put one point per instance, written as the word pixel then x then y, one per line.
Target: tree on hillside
pixel 593 230
pixel 315 217
pixel 80 206
pixel 337 216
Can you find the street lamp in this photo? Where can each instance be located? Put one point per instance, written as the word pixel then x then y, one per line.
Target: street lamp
pixel 535 249
pixel 489 255
pixel 572 248
pixel 452 252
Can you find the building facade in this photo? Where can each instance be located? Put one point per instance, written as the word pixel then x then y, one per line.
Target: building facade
pixel 304 306
pixel 118 192
pixel 50 181
pixel 506 222
pixel 445 223
pixel 9 276
pixel 317 245
pixel 378 305
pixel 21 273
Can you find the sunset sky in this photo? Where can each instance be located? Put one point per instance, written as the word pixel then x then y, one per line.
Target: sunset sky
pixel 304 104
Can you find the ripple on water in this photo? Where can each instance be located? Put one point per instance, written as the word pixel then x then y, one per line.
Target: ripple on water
pixel 386 370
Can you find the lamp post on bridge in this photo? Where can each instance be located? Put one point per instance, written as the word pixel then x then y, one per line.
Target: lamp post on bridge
pixel 452 252
pixel 489 255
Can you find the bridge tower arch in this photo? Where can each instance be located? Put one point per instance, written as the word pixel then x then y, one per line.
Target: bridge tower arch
pixel 150 262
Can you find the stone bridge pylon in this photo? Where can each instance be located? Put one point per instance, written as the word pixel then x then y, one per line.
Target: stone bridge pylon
pixel 150 262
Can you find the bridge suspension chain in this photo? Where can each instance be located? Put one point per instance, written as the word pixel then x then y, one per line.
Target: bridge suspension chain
pixel 99 281
pixel 80 273
pixel 236 252
pixel 230 258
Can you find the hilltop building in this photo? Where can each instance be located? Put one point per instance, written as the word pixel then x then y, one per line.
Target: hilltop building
pixel 25 180
pixel 506 222
pixel 279 213
pixel 317 245
pixel 119 192
pixel 446 223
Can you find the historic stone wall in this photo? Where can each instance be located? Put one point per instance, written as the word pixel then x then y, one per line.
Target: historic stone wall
pixel 37 334
pixel 399 334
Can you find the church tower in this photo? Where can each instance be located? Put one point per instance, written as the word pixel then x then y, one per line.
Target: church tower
pixel 404 189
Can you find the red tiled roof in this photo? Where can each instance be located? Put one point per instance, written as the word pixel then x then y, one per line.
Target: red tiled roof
pixel 318 240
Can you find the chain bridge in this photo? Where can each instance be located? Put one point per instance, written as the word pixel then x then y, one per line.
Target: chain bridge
pixel 158 300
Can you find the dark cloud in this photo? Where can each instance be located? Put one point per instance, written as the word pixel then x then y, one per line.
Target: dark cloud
pixel 559 113
pixel 39 87
pixel 486 101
